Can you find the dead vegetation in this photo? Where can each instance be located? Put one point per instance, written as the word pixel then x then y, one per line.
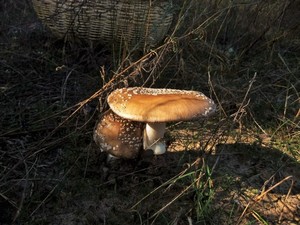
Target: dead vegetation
pixel 239 167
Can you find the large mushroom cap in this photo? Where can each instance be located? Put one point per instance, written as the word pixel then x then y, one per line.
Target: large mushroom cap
pixel 159 105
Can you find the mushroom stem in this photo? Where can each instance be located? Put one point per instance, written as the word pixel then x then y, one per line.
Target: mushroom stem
pixel 153 135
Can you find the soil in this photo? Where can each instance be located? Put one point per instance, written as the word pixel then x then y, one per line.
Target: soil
pixel 53 173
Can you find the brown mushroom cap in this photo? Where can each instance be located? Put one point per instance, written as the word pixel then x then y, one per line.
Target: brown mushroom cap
pixel 159 105
pixel 118 136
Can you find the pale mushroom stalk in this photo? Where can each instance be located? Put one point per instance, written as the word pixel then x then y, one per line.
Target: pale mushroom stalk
pixel 153 137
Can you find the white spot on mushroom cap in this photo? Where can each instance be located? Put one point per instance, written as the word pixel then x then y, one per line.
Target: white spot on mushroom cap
pixel 163 91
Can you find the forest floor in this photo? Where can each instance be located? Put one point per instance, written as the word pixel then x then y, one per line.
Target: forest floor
pixel 240 166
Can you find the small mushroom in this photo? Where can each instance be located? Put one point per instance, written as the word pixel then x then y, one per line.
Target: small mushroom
pixel 155 107
pixel 119 137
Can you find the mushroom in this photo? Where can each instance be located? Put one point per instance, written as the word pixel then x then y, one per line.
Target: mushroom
pixel 155 107
pixel 119 137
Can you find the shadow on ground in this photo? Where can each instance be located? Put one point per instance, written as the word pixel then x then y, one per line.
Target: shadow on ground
pixel 262 181
pixel 248 181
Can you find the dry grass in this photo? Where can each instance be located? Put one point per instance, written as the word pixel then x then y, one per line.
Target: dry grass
pixel 239 167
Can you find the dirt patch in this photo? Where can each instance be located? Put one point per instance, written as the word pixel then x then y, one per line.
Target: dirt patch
pixel 262 182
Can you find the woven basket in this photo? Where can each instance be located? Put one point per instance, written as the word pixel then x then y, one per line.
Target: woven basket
pixel 136 22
